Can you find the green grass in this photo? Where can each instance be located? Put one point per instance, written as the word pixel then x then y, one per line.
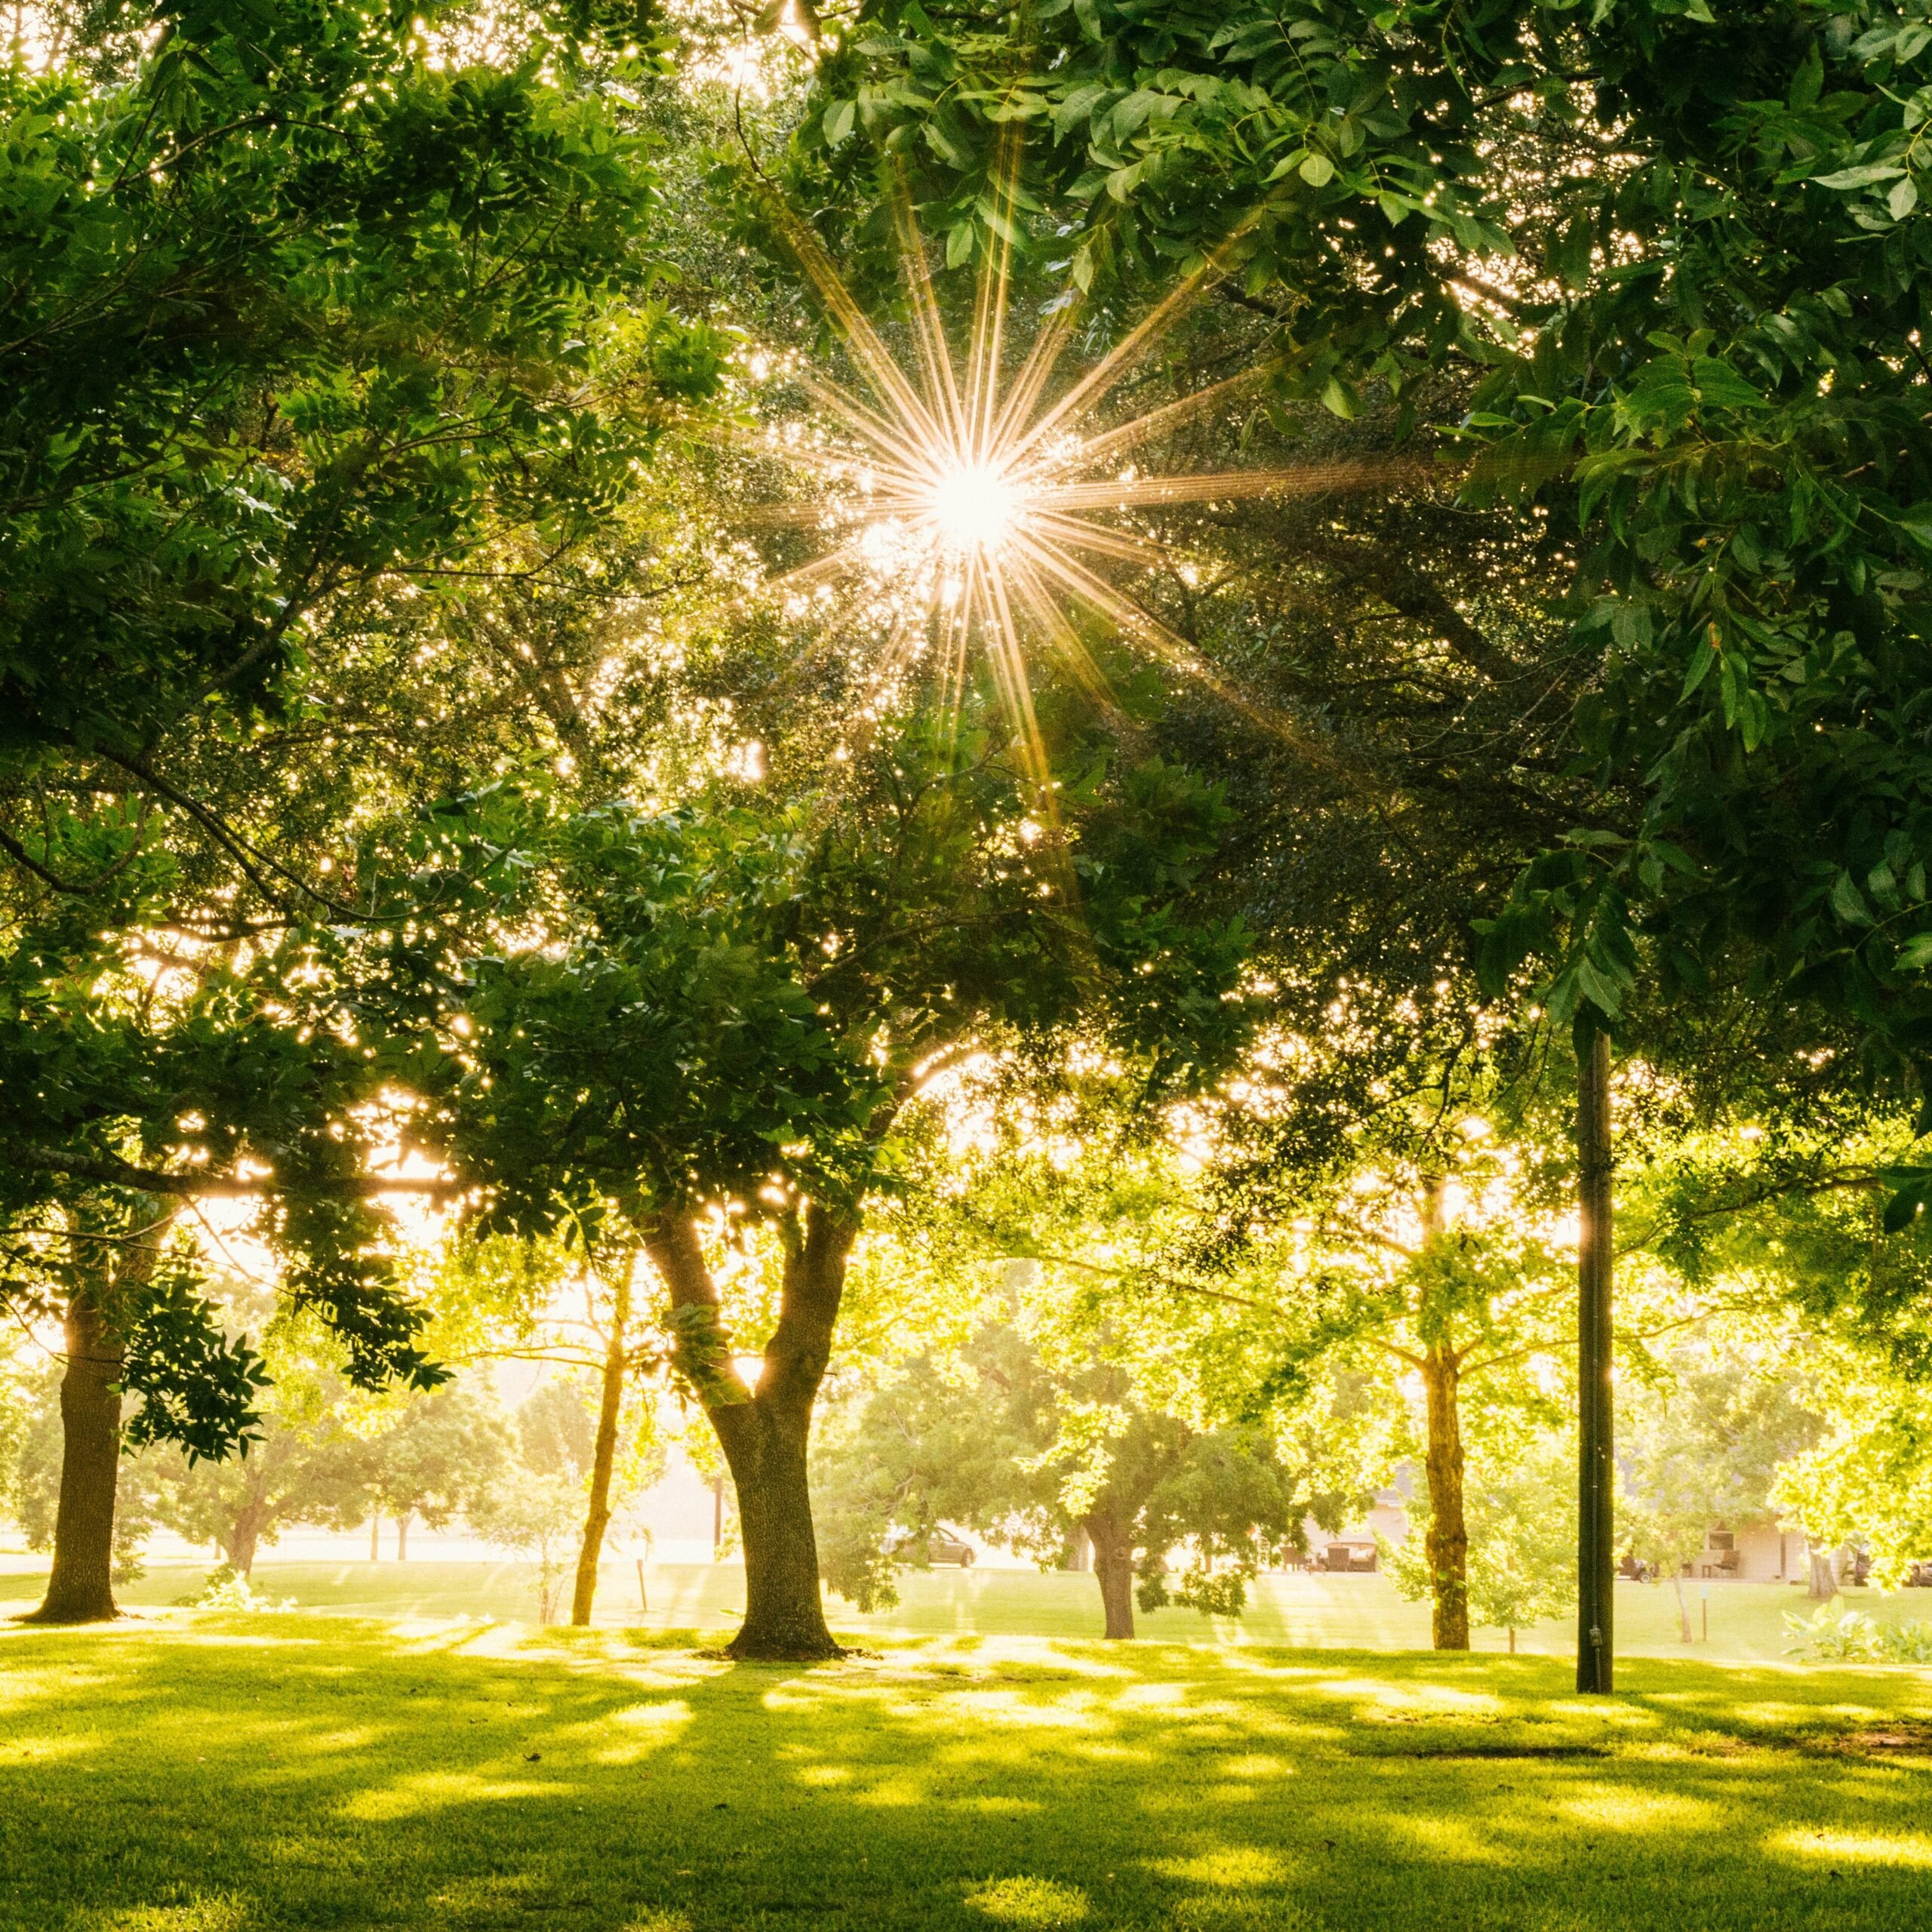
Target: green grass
pixel 246 1774
pixel 1348 1613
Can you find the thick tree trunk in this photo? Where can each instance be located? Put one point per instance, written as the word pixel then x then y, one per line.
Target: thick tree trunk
pixel 597 1518
pixel 1447 1546
pixel 80 1588
pixel 245 1531
pixel 1113 1570
pixel 244 1536
pixel 765 1431
pixel 402 1523
pixel 784 1611
pixel 1823 1585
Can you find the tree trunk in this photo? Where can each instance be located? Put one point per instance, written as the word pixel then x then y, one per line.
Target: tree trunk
pixel 244 1531
pixel 243 1535
pixel 80 1588
pixel 597 1518
pixel 1113 1570
pixel 764 1431
pixel 1683 1605
pixel 402 1523
pixel 1824 1580
pixel 1513 1640
pixel 1447 1546
pixel 375 1537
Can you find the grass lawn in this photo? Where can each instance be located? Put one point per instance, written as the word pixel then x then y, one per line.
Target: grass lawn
pixel 1746 1620
pixel 193 1773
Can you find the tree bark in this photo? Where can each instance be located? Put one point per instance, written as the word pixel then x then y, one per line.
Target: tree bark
pixel 1113 1570
pixel 1683 1606
pixel 1596 1530
pixel 245 1532
pixel 80 1588
pixel 375 1537
pixel 765 1431
pixel 402 1535
pixel 1447 1545
pixel 596 1520
pixel 1823 1584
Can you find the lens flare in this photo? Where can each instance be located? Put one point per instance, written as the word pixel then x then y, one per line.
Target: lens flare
pixel 975 506
pixel 982 492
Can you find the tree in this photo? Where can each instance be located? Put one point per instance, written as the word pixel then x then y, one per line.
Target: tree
pixel 294 311
pixel 1706 1443
pixel 1039 1455
pixel 1522 1527
pixel 431 1459
pixel 1422 1235
pixel 738 1005
pixel 301 1465
pixel 567 1303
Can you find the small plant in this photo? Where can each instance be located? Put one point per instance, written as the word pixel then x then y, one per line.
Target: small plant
pixel 1910 1642
pixel 227 1589
pixel 1852 1637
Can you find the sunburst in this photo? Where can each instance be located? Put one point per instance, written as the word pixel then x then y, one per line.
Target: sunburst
pixel 987 504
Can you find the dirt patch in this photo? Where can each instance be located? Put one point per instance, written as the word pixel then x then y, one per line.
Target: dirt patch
pixel 1531 1751
pixel 1893 1740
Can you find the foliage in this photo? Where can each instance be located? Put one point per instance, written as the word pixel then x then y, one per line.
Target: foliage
pixel 540 1516
pixel 292 306
pixel 1868 1473
pixel 229 1591
pixel 1851 1637
pixel 1521 1505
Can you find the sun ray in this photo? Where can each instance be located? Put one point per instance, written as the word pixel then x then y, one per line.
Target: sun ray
pixel 969 507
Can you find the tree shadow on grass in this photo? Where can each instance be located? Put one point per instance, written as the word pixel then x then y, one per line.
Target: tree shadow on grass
pixel 296 1772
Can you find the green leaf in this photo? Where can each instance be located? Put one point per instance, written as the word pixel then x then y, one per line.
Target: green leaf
pixel 1317 171
pixel 1848 904
pixel 1866 175
pixel 1336 398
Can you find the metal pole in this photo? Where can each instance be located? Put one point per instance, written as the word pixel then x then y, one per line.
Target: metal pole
pixel 1597 1486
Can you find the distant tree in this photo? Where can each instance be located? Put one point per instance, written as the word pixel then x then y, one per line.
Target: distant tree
pixel 540 1517
pixel 1036 1457
pixel 436 1457
pixel 301 1465
pixel 1868 1474
pixel 556 1431
pixel 1704 1438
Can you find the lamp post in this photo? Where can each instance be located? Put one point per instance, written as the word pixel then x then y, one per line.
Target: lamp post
pixel 1596 1497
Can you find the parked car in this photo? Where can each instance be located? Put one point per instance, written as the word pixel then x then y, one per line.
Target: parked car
pixel 945 1545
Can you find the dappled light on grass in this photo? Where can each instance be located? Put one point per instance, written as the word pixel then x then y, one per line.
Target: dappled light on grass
pixel 1856 1848
pixel 358 1777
